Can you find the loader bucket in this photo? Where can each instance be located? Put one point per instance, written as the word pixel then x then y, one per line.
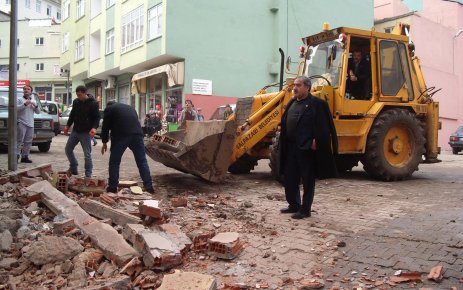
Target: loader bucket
pixel 202 148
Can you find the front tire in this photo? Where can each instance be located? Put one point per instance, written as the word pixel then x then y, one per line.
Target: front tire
pixel 455 151
pixel 44 147
pixel 395 146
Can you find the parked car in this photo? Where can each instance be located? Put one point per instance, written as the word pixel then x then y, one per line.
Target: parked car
pixel 43 123
pixel 52 108
pixel 456 140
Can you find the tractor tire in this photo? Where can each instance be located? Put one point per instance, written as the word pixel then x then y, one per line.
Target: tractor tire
pixel 275 159
pixel 243 165
pixel 346 162
pixel 395 146
pixel 44 147
pixel 455 151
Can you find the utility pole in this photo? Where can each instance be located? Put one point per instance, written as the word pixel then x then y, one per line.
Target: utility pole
pixel 12 101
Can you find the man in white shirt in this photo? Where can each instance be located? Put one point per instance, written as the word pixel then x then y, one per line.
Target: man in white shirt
pixel 27 106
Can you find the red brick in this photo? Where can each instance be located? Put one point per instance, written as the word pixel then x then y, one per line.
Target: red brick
pixel 200 239
pixel 150 208
pixel 178 202
pixel 4 179
pixel 225 245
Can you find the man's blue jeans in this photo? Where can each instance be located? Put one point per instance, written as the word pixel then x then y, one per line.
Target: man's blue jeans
pixel 118 146
pixel 85 142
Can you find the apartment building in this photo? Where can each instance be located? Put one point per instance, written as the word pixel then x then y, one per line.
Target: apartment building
pixel 437 32
pixel 34 9
pixel 152 53
pixel 38 56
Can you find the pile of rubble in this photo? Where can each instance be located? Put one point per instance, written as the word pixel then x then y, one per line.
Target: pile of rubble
pixel 58 232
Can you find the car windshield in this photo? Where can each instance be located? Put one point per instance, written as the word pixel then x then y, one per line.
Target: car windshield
pixel 459 131
pixel 325 60
pixel 19 93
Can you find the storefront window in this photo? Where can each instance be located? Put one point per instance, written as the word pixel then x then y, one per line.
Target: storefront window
pixel 173 104
pixel 124 94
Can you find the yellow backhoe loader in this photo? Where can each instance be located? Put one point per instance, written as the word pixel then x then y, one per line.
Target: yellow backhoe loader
pixel 389 121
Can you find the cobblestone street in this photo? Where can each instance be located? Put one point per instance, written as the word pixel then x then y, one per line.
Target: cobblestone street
pixel 361 230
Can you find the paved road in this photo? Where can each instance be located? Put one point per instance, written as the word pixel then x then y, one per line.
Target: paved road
pixel 411 225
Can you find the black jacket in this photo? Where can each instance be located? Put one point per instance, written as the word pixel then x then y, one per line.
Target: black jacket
pixel 361 87
pixel 325 138
pixel 121 120
pixel 84 115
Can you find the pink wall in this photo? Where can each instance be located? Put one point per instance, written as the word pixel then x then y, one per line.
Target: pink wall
pixel 433 31
pixel 208 104
pixel 389 8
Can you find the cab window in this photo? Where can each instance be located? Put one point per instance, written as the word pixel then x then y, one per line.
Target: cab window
pixel 392 76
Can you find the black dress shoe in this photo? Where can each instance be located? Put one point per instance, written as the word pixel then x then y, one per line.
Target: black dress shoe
pixel 110 189
pixel 289 209
pixel 26 160
pixel 150 190
pixel 300 215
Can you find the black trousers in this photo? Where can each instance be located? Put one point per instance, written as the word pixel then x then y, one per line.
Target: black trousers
pixel 299 164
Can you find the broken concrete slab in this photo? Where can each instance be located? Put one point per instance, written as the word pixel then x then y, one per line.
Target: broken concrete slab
pixel 49 249
pixel 225 245
pixel 7 223
pixel 64 226
pixel 6 240
pixel 26 181
pixel 136 190
pixel 42 170
pixel 127 183
pixel 162 247
pixel 8 263
pixel 102 235
pixel 102 211
pixel 150 207
pixel 195 281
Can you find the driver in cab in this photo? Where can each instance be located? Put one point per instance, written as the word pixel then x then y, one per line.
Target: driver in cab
pixel 358 76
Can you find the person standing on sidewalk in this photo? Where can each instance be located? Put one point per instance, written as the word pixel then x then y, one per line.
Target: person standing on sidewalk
pixel 85 117
pixel 121 121
pixel 308 140
pixel 26 109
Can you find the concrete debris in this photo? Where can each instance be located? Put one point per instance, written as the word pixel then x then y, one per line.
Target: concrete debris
pixel 6 240
pixel 44 170
pixel 63 226
pixel 136 190
pixel 179 202
pixel 436 273
pixel 102 235
pixel 85 185
pixel 67 267
pixel 195 281
pixel 105 198
pixel 12 213
pixel 49 249
pixel 311 284
pixel 127 183
pixel 23 232
pixel 8 263
pixel 103 211
pixel 162 248
pixel 121 282
pixel 9 224
pixel 225 245
pixel 150 207
pixel 26 181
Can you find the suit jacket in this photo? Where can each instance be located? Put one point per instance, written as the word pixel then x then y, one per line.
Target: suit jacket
pixel 325 137
pixel 122 121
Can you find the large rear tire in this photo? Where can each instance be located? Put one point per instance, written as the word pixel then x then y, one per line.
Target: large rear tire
pixel 395 146
pixel 275 159
pixel 243 165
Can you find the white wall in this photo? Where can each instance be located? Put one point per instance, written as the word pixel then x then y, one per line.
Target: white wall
pixel 31 12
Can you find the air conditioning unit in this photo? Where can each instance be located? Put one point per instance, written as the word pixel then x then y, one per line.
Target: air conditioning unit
pixel 110 83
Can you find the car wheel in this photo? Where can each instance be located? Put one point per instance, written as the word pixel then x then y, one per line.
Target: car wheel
pixel 44 147
pixel 455 150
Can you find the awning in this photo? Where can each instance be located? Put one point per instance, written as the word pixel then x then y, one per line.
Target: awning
pixel 175 75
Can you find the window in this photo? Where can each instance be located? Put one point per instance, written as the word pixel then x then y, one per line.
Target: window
pixel 58 15
pixel 39 41
pixel 66 8
pixel 80 8
pixel 49 10
pixel 110 41
pixel 38 6
pixel 65 45
pixel 110 3
pixel 17 66
pixel 79 49
pixel 7 2
pixel 155 21
pixel 392 77
pixel 28 3
pixel 132 29
pixel 39 66
pixel 17 42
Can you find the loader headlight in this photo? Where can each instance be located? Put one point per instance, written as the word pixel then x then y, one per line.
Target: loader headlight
pixel 2 124
pixel 46 124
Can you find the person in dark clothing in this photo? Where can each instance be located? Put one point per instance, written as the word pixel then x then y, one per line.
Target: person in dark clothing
pixel 155 124
pixel 358 77
pixel 308 140
pixel 85 117
pixel 126 131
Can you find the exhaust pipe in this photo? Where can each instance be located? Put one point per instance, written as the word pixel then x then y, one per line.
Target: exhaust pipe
pixel 282 65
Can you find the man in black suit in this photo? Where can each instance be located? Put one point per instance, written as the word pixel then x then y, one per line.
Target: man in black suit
pixel 358 77
pixel 121 121
pixel 308 140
